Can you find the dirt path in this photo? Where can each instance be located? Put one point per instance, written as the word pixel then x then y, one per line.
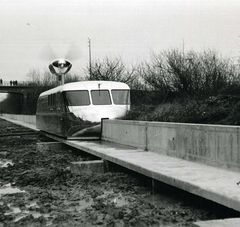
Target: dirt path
pixel 38 189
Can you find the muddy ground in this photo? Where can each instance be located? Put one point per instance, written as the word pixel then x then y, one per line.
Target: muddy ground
pixel 38 189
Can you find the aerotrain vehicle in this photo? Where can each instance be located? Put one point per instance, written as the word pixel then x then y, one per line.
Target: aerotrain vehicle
pixel 76 109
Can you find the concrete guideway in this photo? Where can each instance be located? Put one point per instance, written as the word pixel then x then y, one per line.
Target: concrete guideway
pixel 214 183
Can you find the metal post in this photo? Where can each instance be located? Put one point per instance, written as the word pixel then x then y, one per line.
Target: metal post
pixel 90 56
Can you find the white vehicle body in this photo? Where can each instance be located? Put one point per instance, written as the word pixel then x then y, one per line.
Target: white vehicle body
pixel 86 101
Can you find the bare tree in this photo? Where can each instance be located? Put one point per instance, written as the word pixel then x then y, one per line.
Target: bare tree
pixel 155 74
pixel 34 77
pixel 189 74
pixel 112 70
pixel 49 80
pixel 72 77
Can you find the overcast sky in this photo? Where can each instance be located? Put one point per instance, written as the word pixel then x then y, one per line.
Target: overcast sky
pixel 33 32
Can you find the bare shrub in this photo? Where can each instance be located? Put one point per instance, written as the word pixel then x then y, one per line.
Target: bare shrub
pixel 113 70
pixel 217 73
pixel 189 74
pixel 155 75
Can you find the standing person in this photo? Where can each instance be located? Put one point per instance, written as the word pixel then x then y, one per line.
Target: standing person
pixel 11 83
pixel 1 81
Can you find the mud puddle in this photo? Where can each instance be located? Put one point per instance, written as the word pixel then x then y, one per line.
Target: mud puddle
pixel 8 189
pixel 5 163
pixel 17 214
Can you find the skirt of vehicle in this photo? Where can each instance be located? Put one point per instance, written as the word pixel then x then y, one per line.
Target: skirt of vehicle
pixel 76 109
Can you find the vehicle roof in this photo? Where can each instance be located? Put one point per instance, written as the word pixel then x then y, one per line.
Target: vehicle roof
pixel 86 85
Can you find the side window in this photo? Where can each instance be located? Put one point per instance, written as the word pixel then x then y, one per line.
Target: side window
pixel 121 97
pixel 77 98
pixel 52 100
pixel 42 104
pixel 61 102
pixel 49 100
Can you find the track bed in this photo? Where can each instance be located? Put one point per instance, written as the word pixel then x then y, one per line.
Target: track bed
pixel 50 195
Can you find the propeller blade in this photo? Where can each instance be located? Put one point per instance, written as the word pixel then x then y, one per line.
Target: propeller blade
pixel 73 52
pixel 47 53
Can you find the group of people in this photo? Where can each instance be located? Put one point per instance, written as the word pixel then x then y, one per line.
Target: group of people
pixel 13 83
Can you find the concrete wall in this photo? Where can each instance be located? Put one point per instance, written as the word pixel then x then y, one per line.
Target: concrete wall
pixel 210 144
pixel 30 119
pixel 132 133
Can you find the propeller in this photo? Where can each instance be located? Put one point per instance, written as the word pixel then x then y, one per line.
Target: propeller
pixel 49 52
pixel 73 52
pixel 60 66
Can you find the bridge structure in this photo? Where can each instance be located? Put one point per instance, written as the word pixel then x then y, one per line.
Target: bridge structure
pixel 22 89
pixel 28 94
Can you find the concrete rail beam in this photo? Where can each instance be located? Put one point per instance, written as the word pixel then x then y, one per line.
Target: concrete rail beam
pixel 132 133
pixel 215 145
pixel 30 119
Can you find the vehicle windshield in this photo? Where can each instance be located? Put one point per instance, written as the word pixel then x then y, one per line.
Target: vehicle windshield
pixel 77 98
pixel 101 97
pixel 121 97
